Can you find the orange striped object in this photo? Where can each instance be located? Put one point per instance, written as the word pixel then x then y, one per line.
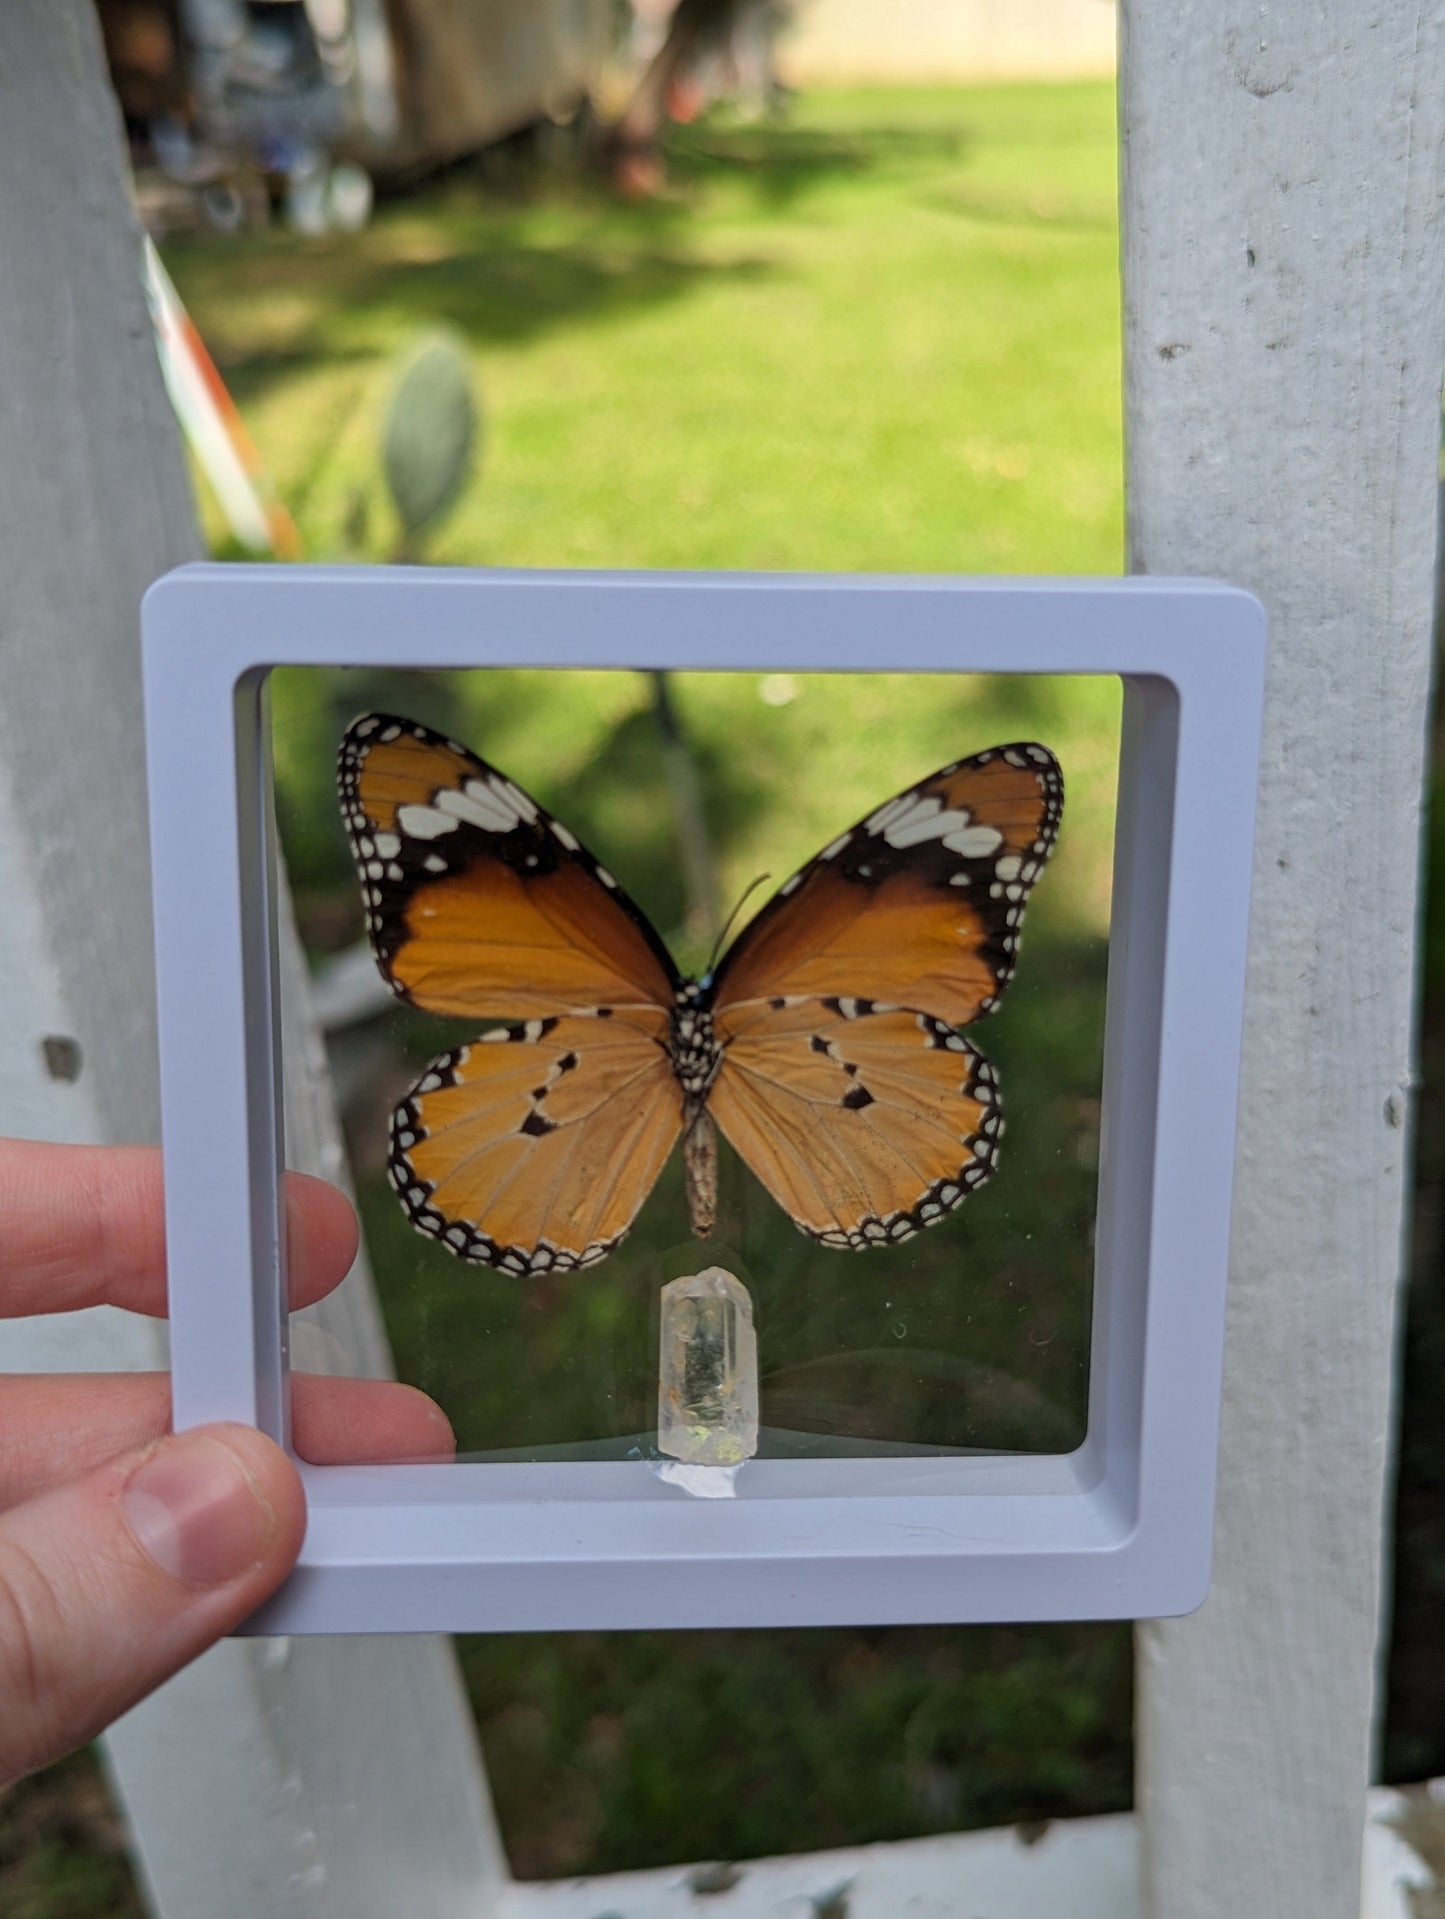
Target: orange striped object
pixel 213 427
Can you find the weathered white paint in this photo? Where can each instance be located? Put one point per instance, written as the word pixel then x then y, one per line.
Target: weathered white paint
pixel 347 988
pixel 1283 330
pixel 934 41
pixel 1074 1869
pixel 35 1103
pixel 1398 1883
pixel 332 1780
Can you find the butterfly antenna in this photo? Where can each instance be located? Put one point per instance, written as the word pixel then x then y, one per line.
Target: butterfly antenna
pixel 727 926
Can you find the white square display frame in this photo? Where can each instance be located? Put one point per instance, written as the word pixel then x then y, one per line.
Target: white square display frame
pixel 1120 1528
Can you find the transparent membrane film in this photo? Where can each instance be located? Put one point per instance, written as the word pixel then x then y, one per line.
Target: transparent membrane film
pixel 690 789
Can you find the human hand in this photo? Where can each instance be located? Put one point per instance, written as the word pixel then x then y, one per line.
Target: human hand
pixel 126 1550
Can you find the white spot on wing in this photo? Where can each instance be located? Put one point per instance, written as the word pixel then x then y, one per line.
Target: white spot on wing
pixel 478 805
pixel 895 808
pixel 918 822
pixel 514 797
pixel 424 822
pixel 974 842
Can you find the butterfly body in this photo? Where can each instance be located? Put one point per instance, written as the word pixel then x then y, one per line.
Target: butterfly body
pixel 696 1054
pixel 823 1044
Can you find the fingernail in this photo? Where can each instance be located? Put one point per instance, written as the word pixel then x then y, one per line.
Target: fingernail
pixel 196 1512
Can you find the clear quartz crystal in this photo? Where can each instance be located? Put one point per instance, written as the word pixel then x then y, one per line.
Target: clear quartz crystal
pixel 707 1383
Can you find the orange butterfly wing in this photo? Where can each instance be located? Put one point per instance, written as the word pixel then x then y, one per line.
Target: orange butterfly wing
pixel 478 902
pixel 920 903
pixel 533 1149
pixel 530 1150
pixel 842 1083
pixel 865 1123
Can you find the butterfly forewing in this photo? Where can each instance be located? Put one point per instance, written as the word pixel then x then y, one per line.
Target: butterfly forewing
pixel 533 1149
pixel 920 903
pixel 865 1122
pixel 478 902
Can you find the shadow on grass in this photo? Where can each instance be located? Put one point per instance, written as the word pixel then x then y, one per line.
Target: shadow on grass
pixel 479 275
pixel 783 163
pixel 553 252
pixel 1039 213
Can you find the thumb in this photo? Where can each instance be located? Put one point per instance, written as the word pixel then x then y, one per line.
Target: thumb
pixel 112 1583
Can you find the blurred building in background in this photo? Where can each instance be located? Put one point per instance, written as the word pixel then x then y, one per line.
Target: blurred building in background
pixel 234 107
pixel 236 103
pixel 948 40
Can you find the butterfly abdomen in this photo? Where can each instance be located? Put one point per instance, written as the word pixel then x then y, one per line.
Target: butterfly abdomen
pixel 697 1056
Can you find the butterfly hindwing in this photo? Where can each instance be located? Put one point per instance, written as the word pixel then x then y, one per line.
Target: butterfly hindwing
pixel 533 1149
pixel 865 1122
pixel 478 902
pixel 920 903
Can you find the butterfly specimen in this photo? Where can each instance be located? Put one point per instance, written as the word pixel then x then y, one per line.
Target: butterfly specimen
pixel 822 1043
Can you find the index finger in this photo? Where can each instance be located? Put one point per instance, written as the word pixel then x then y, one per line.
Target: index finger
pixel 85 1226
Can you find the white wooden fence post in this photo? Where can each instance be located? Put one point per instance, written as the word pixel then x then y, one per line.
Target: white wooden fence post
pixel 336 1779
pixel 1283 342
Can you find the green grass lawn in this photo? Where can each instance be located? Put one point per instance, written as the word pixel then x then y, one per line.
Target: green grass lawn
pixel 882 335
